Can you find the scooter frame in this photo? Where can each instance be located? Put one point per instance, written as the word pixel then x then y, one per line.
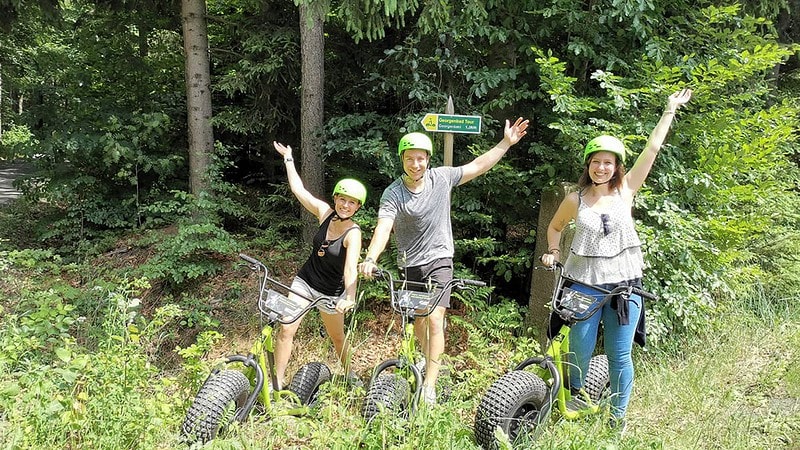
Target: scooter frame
pixel 411 300
pixel 275 307
pixel 571 306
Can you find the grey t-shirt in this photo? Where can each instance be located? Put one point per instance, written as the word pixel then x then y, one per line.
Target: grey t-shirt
pixel 422 221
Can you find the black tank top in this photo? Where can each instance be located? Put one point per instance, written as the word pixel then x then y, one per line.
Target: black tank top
pixel 324 268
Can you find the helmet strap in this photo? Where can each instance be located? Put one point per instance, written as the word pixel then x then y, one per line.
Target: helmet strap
pixel 337 218
pixel 408 177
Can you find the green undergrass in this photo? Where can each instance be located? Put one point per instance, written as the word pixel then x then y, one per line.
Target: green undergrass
pixel 737 387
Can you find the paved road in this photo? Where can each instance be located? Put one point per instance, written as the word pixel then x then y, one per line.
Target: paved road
pixel 9 171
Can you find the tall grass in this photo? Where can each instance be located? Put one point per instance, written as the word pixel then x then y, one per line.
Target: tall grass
pixel 736 387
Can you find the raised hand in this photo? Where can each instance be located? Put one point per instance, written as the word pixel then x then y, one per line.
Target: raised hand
pixel 284 150
pixel 678 99
pixel 513 133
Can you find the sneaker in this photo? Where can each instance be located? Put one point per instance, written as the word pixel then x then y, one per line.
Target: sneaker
pixel 618 424
pixel 577 401
pixel 429 395
pixel 353 380
pixel 420 365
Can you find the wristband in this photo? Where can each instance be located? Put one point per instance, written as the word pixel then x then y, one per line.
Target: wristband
pixel 289 159
pixel 554 249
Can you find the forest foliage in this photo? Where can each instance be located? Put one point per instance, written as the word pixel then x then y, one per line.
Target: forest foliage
pixel 93 93
pixel 109 262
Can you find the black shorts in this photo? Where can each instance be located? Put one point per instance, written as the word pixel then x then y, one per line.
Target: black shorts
pixel 439 271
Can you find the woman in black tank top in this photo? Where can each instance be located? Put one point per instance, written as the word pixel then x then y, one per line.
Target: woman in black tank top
pixel 331 268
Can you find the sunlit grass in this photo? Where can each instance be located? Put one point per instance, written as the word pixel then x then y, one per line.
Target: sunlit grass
pixel 734 389
pixel 737 387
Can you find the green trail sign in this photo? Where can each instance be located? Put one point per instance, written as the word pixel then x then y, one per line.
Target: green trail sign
pixel 450 123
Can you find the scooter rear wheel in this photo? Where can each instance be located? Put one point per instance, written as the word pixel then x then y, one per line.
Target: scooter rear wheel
pixel 513 403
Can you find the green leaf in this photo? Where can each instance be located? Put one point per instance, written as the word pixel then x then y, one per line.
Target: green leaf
pixel 64 354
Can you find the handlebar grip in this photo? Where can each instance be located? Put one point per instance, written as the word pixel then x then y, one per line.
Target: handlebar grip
pixel 248 259
pixel 645 294
pixel 477 283
pixel 556 266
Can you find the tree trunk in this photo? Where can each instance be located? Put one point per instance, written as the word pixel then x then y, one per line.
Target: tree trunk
pixel 312 44
pixel 1 100
pixel 543 282
pixel 784 24
pixel 198 93
pixel 144 33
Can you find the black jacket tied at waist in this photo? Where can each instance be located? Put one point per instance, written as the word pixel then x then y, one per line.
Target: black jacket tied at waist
pixel 620 304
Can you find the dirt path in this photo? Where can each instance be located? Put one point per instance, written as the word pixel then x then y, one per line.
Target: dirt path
pixel 9 171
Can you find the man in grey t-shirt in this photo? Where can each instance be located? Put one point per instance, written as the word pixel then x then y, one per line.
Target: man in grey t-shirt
pixel 417 207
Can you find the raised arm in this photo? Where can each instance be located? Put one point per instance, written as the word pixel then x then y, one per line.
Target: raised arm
pixel 480 165
pixel 315 206
pixel 641 168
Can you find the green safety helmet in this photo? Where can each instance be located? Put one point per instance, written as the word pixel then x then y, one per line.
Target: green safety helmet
pixel 605 143
pixel 416 141
pixel 351 188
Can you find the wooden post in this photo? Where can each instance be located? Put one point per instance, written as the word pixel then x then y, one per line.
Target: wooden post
pixel 448 137
pixel 543 281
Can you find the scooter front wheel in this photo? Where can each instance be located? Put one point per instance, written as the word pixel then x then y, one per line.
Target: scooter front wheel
pixel 513 403
pixel 388 392
pixel 221 397
pixel 306 382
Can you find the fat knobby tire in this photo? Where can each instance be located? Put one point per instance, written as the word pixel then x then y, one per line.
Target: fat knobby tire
pixel 388 392
pixel 597 379
pixel 212 410
pixel 306 382
pixel 512 403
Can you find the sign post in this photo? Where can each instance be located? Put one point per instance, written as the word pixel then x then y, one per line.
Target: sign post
pixel 448 137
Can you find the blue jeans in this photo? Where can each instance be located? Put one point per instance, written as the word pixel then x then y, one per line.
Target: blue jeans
pixel 618 340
